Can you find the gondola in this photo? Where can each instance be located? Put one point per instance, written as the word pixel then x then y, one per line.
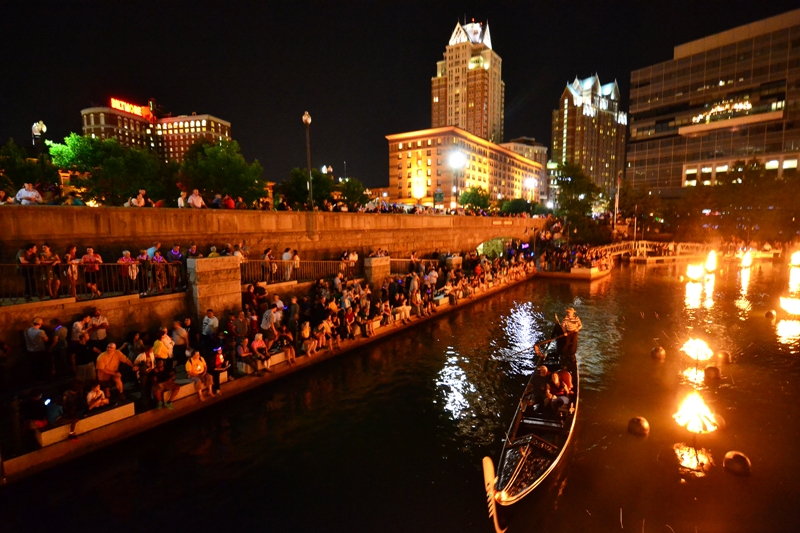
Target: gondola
pixel 538 435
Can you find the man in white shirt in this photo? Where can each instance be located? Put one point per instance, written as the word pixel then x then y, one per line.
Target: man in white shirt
pixel 196 201
pixel 97 328
pixel 80 326
pixel 209 329
pixel 279 312
pixel 287 265
pixel 27 195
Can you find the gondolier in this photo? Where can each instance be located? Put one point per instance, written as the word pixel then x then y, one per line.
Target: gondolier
pixel 571 325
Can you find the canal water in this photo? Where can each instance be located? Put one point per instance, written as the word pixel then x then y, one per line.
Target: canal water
pixel 390 438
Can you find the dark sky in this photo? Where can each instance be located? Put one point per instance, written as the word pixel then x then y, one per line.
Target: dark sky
pixel 361 69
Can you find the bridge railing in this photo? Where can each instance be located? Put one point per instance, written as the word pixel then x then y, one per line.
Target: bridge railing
pixel 300 271
pixel 642 248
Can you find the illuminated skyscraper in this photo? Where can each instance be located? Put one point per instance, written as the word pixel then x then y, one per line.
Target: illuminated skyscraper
pixel 589 130
pixel 468 90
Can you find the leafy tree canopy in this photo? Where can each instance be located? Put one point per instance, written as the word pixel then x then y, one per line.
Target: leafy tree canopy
pixel 220 168
pixel 18 168
pixel 517 205
pixel 474 197
pixel 577 193
pixel 295 189
pixel 353 193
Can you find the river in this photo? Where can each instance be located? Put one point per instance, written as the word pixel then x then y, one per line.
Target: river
pixel 390 437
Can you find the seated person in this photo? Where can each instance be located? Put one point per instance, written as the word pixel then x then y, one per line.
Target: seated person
pixel 95 398
pixel 247 357
pixel 538 391
pixel 108 368
pixel 309 341
pixel 197 371
pixel 558 392
pixel 286 342
pixel 164 381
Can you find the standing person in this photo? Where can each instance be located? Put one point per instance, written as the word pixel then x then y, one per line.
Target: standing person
pixel 268 323
pixel 98 325
pixel 145 364
pixel 182 200
pixel 69 269
pixel 26 259
pixel 128 270
pixel 91 271
pixel 36 343
pixel 175 259
pixel 59 349
pixel 163 347
pixel 287 264
pixel 240 327
pixel 209 330
pixel 571 325
pixel 49 271
pixel 196 201
pixel 181 343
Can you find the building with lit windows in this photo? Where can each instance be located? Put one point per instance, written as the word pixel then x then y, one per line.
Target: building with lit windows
pixel 529 148
pixel 468 90
pixel 589 130
pixel 147 127
pixel 726 98
pixel 433 167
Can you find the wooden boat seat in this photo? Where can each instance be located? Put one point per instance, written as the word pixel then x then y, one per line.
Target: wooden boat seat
pixel 542 423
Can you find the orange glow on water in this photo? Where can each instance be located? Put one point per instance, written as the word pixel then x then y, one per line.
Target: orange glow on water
pixel 711 262
pixel 697 349
pixel 695 415
pixel 791 305
pixel 788 331
pixel 693 460
pixel 694 295
pixel 747 260
pixel 796 259
pixel 694 375
pixel 794 279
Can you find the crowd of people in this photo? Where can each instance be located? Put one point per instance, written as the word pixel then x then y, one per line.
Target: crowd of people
pixel 83 368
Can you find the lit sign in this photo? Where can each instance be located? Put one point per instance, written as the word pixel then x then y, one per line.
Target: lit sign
pixel 137 110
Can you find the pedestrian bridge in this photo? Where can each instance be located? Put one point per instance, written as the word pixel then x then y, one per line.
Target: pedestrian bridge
pixel 645 248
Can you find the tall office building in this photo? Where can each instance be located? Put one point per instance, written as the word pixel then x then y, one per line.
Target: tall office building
pixel 468 90
pixel 589 130
pixel 729 97
pixel 530 148
pixel 148 127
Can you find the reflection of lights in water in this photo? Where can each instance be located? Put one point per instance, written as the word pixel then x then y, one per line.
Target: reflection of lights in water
pixel 695 272
pixel 455 386
pixel 796 259
pixel 694 295
pixel 743 303
pixel 522 327
pixel 697 349
pixel 794 279
pixel 709 290
pixel 791 305
pixel 693 460
pixel 711 262
pixel 788 331
pixel 695 415
pixel 694 375
pixel 747 260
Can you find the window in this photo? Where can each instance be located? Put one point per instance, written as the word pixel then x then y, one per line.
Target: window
pixel 429 173
pixel 409 194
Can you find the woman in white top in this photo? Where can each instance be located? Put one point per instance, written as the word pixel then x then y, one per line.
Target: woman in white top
pixel 182 200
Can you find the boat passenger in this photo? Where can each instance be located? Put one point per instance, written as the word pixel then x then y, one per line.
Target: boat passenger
pixel 559 395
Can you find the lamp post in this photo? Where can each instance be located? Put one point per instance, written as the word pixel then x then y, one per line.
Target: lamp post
pixel 307 122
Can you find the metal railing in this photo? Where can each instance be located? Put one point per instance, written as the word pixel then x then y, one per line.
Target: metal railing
pixel 404 266
pixel 282 271
pixel 643 248
pixel 37 283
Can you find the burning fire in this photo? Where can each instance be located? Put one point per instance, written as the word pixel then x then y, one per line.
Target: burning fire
pixel 695 272
pixel 711 262
pixel 695 415
pixel 794 279
pixel 693 460
pixel 747 260
pixel 788 331
pixel 694 295
pixel 694 375
pixel 697 349
pixel 796 259
pixel 791 305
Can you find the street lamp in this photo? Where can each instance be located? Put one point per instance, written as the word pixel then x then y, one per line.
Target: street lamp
pixel 307 122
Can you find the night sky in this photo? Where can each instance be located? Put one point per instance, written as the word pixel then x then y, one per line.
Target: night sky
pixel 361 69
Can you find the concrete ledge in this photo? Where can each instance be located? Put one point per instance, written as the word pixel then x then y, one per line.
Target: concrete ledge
pixel 276 359
pixel 105 417
pixel 576 274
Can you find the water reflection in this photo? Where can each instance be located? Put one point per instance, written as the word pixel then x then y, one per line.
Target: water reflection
pixel 789 333
pixel 708 288
pixel 694 376
pixel 693 461
pixel 694 295
pixel 742 303
pixel 522 328
pixel 794 279
pixel 791 305
pixel 455 386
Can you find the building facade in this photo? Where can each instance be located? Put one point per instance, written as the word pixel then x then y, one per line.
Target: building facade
pixel 529 148
pixel 433 167
pixel 589 130
pixel 729 97
pixel 468 90
pixel 146 127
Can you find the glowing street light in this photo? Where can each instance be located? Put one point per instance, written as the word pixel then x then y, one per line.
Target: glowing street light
pixel 307 122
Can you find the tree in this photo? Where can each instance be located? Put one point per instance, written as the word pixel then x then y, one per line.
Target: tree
pixel 353 193
pixel 220 168
pixel 475 198
pixel 295 189
pixel 577 193
pixel 517 205
pixel 18 168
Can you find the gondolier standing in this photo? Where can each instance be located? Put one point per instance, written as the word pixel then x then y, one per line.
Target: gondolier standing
pixel 571 325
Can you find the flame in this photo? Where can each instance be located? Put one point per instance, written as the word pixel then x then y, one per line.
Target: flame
pixel 695 272
pixel 709 290
pixel 791 305
pixel 693 460
pixel 794 279
pixel 747 259
pixel 694 375
pixel 697 349
pixel 788 331
pixel 796 259
pixel 695 415
pixel 694 295
pixel 711 262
